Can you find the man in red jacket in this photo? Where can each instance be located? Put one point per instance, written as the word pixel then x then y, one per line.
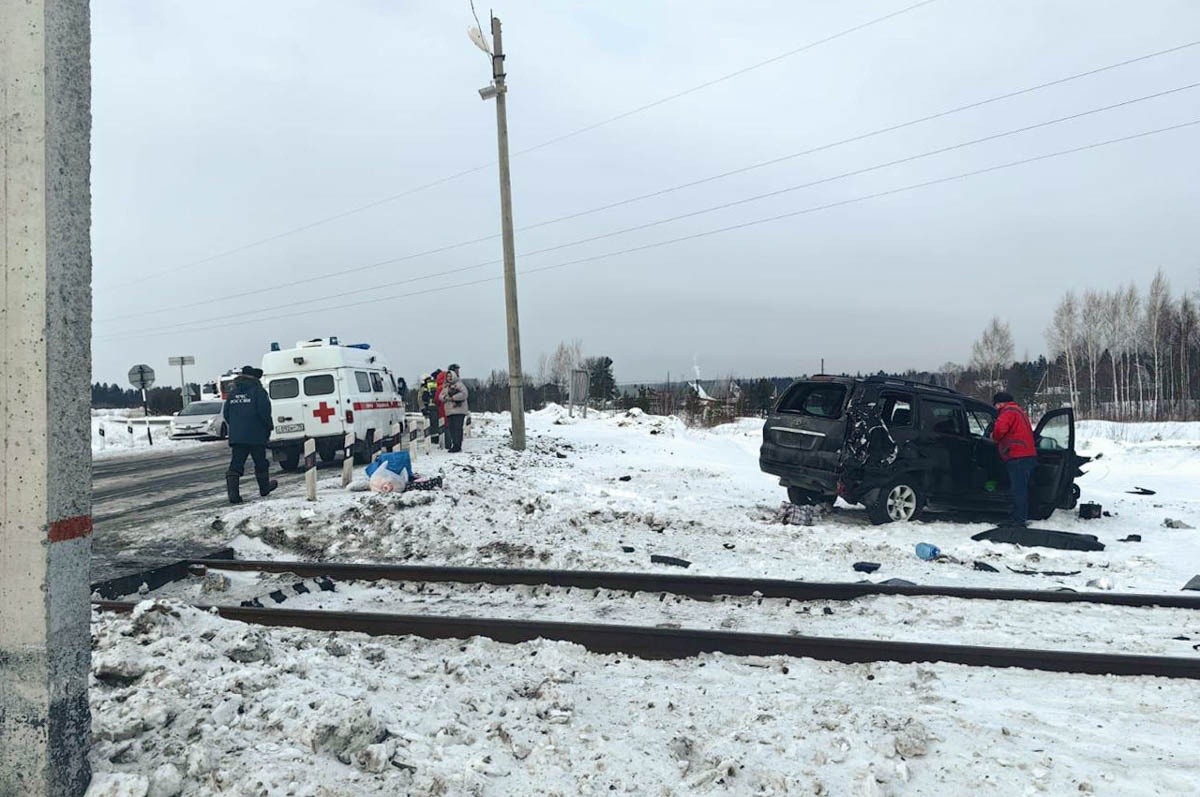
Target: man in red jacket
pixel 1014 437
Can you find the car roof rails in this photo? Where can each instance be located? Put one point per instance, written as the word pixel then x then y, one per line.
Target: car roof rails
pixel 895 380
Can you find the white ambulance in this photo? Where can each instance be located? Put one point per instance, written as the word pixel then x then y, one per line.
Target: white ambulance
pixel 322 390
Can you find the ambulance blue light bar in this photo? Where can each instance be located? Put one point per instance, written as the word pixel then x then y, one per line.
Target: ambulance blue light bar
pixel 274 345
pixel 363 346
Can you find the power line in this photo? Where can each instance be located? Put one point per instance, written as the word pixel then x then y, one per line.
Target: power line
pixel 711 209
pixel 579 131
pixel 730 228
pixel 658 193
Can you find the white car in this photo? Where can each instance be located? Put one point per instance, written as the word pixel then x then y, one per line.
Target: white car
pixel 199 420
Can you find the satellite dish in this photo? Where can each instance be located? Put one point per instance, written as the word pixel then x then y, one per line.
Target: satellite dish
pixel 477 37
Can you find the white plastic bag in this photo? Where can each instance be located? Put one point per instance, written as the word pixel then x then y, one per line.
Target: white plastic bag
pixel 386 481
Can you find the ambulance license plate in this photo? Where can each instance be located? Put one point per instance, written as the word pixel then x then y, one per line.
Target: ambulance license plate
pixel 289 427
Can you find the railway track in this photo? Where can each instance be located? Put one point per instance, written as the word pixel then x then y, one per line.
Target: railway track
pixel 673 642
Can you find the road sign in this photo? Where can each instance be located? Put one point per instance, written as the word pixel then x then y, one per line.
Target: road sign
pixel 181 361
pixel 141 377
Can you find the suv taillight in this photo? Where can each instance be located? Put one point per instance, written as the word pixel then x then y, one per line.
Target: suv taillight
pixel 349 416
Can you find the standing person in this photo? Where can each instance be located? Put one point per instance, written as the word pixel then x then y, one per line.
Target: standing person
pixel 441 405
pixel 454 399
pixel 427 398
pixel 1014 437
pixel 247 415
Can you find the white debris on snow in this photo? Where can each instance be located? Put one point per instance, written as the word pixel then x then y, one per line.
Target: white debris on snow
pixel 186 703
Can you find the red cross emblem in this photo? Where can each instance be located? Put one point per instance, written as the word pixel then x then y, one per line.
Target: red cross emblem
pixel 324 412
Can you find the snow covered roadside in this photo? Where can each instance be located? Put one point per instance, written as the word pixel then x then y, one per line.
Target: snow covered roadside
pixel 587 490
pixel 116 440
pixel 186 703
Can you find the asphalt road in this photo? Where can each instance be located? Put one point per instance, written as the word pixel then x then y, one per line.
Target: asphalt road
pixel 159 505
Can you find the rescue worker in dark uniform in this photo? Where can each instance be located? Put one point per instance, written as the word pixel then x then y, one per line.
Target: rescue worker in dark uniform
pixel 247 415
pixel 428 400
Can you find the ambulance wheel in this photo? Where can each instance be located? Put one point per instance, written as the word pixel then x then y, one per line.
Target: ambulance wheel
pixel 364 450
pixel 327 454
pixel 288 458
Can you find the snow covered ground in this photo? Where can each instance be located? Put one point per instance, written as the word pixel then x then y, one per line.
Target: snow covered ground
pixel 111 435
pixel 187 703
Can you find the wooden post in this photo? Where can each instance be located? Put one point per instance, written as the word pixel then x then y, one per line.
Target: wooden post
pixel 348 458
pixel 397 443
pixel 310 469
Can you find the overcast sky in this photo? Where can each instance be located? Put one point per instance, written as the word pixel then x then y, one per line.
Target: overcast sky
pixel 220 124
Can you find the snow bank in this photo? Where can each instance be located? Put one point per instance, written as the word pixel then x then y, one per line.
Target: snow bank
pixel 185 703
pixel 116 440
pixel 1139 432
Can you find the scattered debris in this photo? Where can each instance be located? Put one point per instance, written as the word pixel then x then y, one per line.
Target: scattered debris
pixel 1140 491
pixel 927 551
pixel 1101 583
pixel 1193 584
pixel 217 525
pixel 985 567
pixel 659 559
pixel 560 455
pixel 1042 538
pixel 1171 523
pixel 790 514
pixel 625 478
pixel 1131 538
pixel 866 567
pixel 729 546
pixel 1045 572
pixel 627 548
pixel 897 582
pixel 1090 511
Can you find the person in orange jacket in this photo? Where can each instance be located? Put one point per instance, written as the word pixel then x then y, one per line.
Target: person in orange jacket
pixel 441 407
pixel 1014 437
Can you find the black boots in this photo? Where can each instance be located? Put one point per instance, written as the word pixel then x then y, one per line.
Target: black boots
pixel 232 487
pixel 265 483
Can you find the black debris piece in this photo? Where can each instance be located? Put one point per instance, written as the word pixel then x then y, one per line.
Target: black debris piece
pixel 560 455
pixel 827 611
pixel 729 546
pixel 1182 638
pixel 866 567
pixel 217 525
pixel 625 478
pixel 1042 538
pixel 985 567
pixel 278 596
pixel 669 560
pixel 1140 491
pixel 1193 584
pixel 299 588
pixel 627 548
pixel 1090 511
pixel 1046 573
pixel 1131 538
pixel 897 582
pixel 325 584
pixel 252 604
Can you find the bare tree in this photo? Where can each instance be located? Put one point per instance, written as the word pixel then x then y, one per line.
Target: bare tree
pixel 993 351
pixel 1091 338
pixel 1062 336
pixel 1158 303
pixel 1131 310
pixel 1188 322
pixel 556 369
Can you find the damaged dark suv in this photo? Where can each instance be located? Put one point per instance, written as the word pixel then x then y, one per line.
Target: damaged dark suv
pixel 898 447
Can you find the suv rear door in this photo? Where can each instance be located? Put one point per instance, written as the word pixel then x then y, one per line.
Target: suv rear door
pixel 808 425
pixel 1054 476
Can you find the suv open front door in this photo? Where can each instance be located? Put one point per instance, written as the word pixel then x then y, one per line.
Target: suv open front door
pixel 1052 484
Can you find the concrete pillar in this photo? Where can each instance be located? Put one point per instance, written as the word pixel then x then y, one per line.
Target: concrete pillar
pixel 45 368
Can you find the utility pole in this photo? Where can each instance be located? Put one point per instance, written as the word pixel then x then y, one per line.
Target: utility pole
pixel 516 390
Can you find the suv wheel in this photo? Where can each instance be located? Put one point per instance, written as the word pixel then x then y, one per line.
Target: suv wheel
pixel 901 501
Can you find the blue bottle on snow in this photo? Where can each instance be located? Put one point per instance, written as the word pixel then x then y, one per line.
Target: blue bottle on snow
pixel 927 552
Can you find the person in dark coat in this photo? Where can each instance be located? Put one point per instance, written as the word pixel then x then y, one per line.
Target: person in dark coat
pixel 247 415
pixel 1014 437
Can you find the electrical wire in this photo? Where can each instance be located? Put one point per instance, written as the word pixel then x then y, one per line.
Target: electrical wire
pixel 695 236
pixel 579 131
pixel 711 209
pixel 658 193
